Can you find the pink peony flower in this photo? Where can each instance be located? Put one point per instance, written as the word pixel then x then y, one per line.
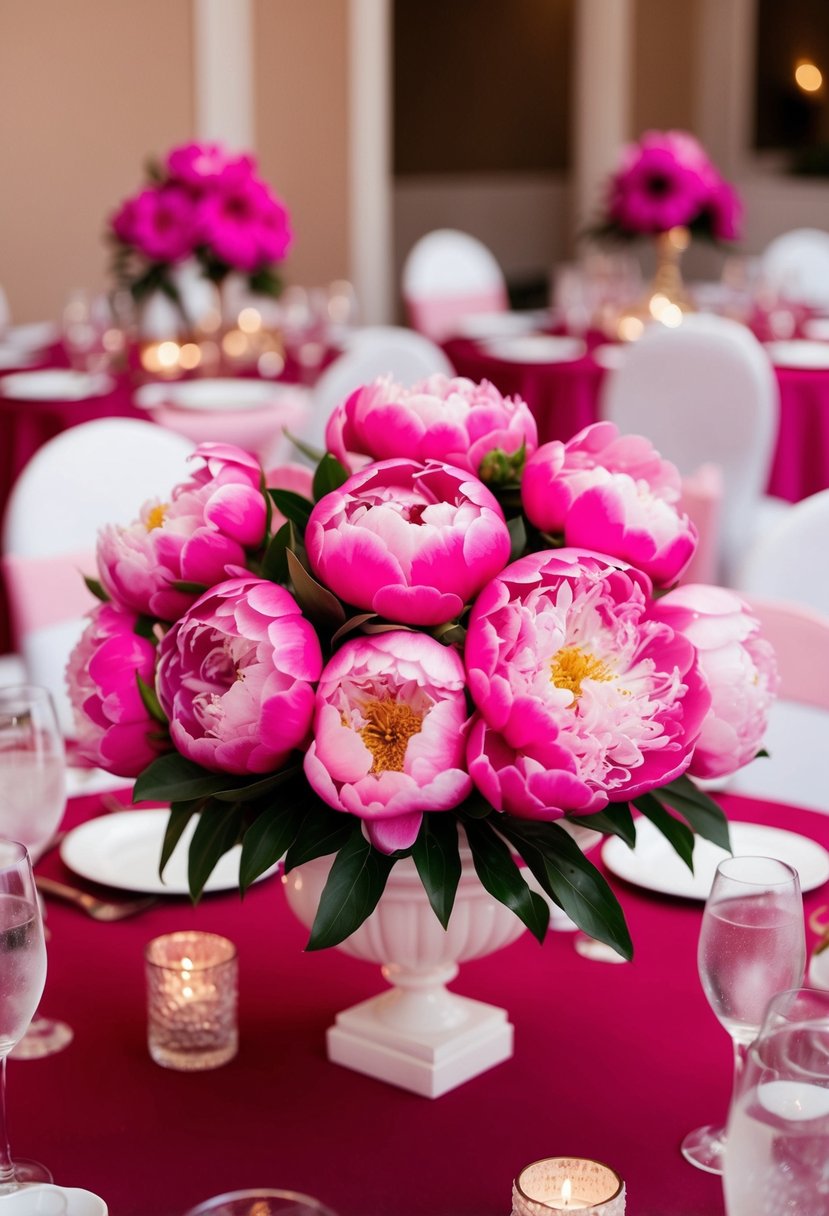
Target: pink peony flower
pixel 585 695
pixel 412 542
pixel 389 734
pixel 612 493
pixel 162 224
pixel 243 225
pixel 724 210
pixel 454 420
pixel 738 666
pixel 199 165
pixel 115 731
pixel 235 677
pixel 205 528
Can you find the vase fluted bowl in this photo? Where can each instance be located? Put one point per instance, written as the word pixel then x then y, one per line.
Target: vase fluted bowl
pixel 417 1034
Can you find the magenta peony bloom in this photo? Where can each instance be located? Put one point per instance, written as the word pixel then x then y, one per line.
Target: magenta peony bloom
pixel 390 733
pixel 739 667
pixel 724 210
pixel 243 224
pixel 454 420
pixel 199 165
pixel 206 527
pixel 412 542
pixel 162 223
pixel 585 695
pixel 115 731
pixel 612 493
pixel 235 677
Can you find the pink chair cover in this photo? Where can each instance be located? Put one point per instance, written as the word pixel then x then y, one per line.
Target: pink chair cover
pixel 800 637
pixel 46 591
pixel 437 316
pixel 701 501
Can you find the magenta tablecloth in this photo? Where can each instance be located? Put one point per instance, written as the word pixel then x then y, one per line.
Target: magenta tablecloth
pixel 611 1062
pixel 565 397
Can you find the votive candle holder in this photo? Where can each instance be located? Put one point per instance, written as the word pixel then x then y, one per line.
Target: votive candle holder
pixel 568 1184
pixel 192 999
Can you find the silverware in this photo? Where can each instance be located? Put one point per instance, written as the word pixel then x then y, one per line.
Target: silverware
pixel 98 909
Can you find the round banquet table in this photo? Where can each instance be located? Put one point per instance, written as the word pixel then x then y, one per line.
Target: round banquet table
pixel 614 1063
pixel 565 397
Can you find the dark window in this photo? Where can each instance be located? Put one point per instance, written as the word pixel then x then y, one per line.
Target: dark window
pixel 789 116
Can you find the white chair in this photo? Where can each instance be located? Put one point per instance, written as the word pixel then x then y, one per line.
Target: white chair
pixel 381 350
pixel 796 266
pixel 95 473
pixel 788 562
pixel 449 275
pixel 799 721
pixel 705 392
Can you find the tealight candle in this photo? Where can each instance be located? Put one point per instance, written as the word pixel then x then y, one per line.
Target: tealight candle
pixel 191 1000
pixel 568 1184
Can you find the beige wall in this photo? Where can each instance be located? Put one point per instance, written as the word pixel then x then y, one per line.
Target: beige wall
pixel 301 123
pixel 88 89
pixel 664 44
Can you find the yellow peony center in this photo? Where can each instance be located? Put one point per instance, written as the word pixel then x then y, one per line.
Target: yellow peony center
pixel 155 518
pixel 571 665
pixel 388 729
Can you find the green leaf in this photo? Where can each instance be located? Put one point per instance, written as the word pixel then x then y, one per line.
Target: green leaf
pixel 144 627
pixel 263 489
pixel 353 623
pixel 518 536
pixel 216 832
pixel 570 879
pixel 496 868
pixel 275 561
pixel 321 831
pixel 329 475
pixel 248 791
pixel 266 841
pixel 180 815
pixel 293 506
pixel 317 602
pixel 171 778
pixel 355 884
pixel 475 806
pixel 438 862
pixel 702 813
pixel 95 587
pixel 188 588
pixel 679 835
pixel 614 820
pixel 150 700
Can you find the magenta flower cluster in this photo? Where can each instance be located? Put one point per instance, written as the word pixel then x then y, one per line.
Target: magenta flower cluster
pixel 666 180
pixel 209 204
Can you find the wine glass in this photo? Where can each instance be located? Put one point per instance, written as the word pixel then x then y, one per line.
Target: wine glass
pixel 777 1145
pixel 263 1201
pixel 32 802
pixel 752 944
pixel 22 976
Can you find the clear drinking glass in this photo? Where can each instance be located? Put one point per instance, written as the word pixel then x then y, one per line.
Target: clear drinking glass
pixel 22 976
pixel 32 802
pixel 777 1148
pixel 261 1201
pixel 752 944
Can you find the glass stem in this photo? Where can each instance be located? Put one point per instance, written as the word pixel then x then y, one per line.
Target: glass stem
pixel 6 1165
pixel 740 1054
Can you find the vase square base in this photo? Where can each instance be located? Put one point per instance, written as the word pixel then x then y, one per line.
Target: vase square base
pixel 429 1063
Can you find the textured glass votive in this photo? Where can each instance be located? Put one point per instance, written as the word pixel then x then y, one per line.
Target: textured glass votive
pixel 192 991
pixel 568 1184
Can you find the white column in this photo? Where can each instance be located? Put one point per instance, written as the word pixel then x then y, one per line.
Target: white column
pixel 602 61
pixel 724 85
pixel 223 69
pixel 370 175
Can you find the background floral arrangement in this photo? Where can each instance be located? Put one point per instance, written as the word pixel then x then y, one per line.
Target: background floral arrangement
pixel 203 203
pixel 444 627
pixel 666 180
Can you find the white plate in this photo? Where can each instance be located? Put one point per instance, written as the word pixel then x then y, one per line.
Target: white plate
pixel 537 348
pixel 655 866
pixel 500 324
pixel 55 384
pixel 225 394
pixel 610 355
pixel 34 336
pixel 123 850
pixel 15 356
pixel 799 353
pixel 817 328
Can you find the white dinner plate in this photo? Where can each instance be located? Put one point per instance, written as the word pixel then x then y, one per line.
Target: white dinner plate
pixel 654 865
pixel 610 355
pixel 55 384
pixel 15 356
pixel 222 394
pixel 500 324
pixel 34 336
pixel 799 353
pixel 123 850
pixel 537 348
pixel 817 328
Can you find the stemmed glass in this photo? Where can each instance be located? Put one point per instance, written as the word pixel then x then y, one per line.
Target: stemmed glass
pixel 32 802
pixel 22 976
pixel 752 944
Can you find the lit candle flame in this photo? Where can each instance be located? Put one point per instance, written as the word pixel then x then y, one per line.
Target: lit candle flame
pixel 566 1191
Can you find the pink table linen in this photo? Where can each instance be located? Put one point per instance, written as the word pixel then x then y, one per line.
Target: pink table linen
pixel 611 1062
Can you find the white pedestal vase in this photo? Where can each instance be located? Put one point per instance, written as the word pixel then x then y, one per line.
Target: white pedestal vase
pixel 418 1034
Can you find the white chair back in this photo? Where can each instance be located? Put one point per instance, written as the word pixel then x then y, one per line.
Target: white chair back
pixel 381 350
pixel 704 392
pixel 449 275
pixel 95 473
pixel 788 561
pixel 796 266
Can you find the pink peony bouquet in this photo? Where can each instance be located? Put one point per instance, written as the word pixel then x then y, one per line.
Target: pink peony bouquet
pixel 665 180
pixel 202 203
pixel 446 635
